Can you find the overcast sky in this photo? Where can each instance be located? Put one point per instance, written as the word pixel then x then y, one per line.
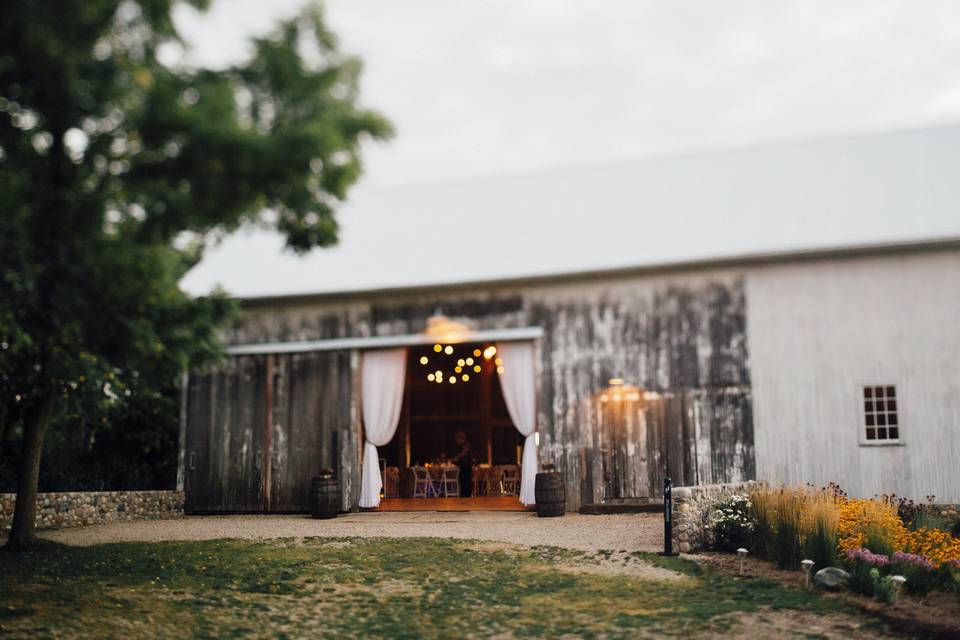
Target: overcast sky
pixel 494 87
pixel 499 88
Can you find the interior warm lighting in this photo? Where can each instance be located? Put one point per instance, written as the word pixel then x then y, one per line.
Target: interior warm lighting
pixel 603 397
pixel 437 348
pixel 424 360
pixel 448 349
pixel 430 377
pixel 465 377
pixel 443 329
pixel 616 382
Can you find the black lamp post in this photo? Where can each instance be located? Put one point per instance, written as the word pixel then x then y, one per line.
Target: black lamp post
pixel 668 518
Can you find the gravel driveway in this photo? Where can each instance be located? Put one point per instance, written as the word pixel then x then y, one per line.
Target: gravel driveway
pixel 634 532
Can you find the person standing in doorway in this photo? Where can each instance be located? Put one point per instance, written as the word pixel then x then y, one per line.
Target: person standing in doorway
pixel 464 460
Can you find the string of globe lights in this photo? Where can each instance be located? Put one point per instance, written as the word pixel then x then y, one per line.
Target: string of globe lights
pixel 446 365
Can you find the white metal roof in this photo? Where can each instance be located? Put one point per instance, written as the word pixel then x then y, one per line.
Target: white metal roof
pixel 898 187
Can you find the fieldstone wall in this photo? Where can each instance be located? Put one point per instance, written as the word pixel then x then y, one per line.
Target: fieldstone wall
pixel 73 509
pixel 692 507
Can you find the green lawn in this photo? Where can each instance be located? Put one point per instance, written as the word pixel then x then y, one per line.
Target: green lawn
pixel 389 588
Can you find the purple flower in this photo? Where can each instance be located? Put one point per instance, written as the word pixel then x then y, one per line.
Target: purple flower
pixel 913 559
pixel 867 557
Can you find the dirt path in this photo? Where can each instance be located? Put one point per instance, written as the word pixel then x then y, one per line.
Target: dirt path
pixel 640 532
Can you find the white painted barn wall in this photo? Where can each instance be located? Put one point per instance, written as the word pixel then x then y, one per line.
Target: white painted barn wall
pixel 818 331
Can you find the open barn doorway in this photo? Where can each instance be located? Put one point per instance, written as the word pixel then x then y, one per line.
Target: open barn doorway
pixel 452 401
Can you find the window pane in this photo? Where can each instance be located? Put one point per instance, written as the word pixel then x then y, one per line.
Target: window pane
pixel 891 393
pixel 867 392
pixel 891 405
pixel 881 405
pixel 882 433
pixel 894 433
pixel 891 418
pixel 870 422
pixel 881 419
pixel 871 434
pixel 868 406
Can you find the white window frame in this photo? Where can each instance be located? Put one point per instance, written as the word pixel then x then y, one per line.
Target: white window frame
pixel 899 441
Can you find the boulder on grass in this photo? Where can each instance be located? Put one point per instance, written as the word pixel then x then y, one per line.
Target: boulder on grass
pixel 831 579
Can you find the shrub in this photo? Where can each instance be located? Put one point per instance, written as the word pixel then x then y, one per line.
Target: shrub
pixel 937 546
pixel 864 570
pixel 731 523
pixel 930 520
pixel 883 587
pixel 870 522
pixel 922 577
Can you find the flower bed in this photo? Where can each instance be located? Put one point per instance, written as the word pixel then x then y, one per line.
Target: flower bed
pixel 878 541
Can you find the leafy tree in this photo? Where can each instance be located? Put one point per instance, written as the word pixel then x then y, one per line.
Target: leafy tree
pixel 115 167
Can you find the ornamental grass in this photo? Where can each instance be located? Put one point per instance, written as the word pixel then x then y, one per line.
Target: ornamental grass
pixel 819 525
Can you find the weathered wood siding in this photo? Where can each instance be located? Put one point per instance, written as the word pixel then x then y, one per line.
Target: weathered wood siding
pixel 683 338
pixel 240 459
pixel 226 414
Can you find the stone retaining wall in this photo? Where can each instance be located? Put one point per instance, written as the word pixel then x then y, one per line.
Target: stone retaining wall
pixel 691 512
pixel 96 507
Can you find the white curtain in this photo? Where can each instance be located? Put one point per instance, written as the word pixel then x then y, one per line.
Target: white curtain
pixel 382 375
pixel 519 392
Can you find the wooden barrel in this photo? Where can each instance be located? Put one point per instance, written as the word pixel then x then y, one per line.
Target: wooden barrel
pixel 325 498
pixel 551 499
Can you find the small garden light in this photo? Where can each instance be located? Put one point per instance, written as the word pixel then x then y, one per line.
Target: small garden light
pixel 897 583
pixel 807 566
pixel 741 553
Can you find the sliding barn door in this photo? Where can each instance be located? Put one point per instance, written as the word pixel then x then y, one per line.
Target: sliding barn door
pixel 311 413
pixel 224 456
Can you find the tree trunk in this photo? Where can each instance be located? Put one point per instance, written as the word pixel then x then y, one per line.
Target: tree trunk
pixel 35 422
pixel 9 417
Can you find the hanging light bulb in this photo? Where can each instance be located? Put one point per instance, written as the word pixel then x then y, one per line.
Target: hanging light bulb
pixel 424 360
pixel 437 348
pixel 476 352
pixel 461 362
pixel 499 362
pixel 489 352
pixel 448 350
pixel 499 369
pixel 430 377
pixel 458 369
pixel 476 368
pixel 469 361
pixel 453 380
pixel 465 377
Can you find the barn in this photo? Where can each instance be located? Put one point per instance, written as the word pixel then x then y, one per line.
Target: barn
pixel 785 313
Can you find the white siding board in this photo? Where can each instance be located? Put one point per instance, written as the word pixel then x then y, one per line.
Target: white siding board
pixel 817 332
